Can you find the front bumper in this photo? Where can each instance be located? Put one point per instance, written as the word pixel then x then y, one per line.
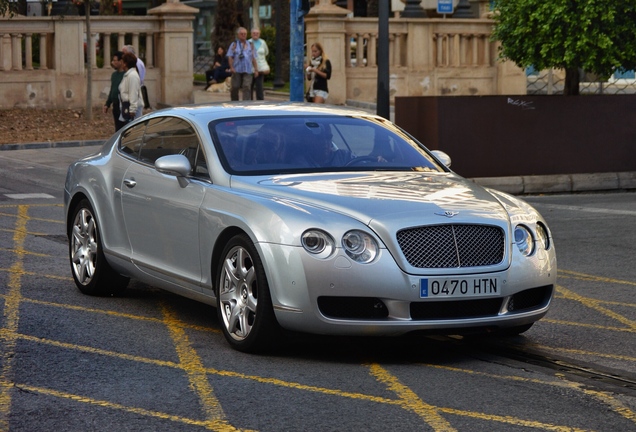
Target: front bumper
pixel 340 297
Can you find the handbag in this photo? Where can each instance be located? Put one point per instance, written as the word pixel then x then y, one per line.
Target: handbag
pixel 144 95
pixel 308 98
pixel 125 111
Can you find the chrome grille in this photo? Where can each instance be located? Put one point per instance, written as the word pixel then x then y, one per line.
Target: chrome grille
pixel 451 246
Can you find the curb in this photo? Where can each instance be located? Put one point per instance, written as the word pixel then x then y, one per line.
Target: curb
pixel 43 145
pixel 560 183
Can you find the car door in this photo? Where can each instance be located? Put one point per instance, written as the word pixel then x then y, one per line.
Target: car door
pixel 161 215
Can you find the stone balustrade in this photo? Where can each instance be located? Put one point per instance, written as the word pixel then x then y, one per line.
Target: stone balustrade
pixel 43 61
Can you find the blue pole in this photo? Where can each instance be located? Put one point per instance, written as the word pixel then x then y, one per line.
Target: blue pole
pixel 296 52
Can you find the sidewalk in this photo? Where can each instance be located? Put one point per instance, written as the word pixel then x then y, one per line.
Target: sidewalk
pixel 516 185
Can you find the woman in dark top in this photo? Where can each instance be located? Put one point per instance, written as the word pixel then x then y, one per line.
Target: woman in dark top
pixel 220 68
pixel 318 72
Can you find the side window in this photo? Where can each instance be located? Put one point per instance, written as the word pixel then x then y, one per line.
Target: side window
pixel 200 166
pixel 132 139
pixel 167 136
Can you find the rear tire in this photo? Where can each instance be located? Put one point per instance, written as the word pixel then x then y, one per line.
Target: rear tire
pixel 91 272
pixel 244 304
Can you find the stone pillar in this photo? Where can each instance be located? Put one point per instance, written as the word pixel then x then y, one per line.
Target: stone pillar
pixel 175 51
pixel 483 8
pixel 325 23
pixel 69 88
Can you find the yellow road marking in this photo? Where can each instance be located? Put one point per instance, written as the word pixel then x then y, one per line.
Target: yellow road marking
pixel 594 304
pixel 583 276
pixel 594 326
pixel 606 302
pixel 412 401
pixel 24 231
pixel 290 385
pixel 30 273
pixel 604 397
pixel 212 425
pixel 11 316
pixel 117 314
pixel 197 374
pixel 37 254
pixel 585 353
pixel 513 421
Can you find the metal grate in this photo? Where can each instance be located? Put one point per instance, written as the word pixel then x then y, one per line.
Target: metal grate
pixel 452 246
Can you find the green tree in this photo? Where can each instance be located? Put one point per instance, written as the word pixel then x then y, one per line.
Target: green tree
pixel 8 8
pixel 225 24
pixel 598 36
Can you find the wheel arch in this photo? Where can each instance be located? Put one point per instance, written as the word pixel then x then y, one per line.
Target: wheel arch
pixel 71 206
pixel 217 252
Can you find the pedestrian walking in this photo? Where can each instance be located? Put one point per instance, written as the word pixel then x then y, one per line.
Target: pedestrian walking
pixel 113 94
pixel 130 90
pixel 262 51
pixel 242 58
pixel 141 70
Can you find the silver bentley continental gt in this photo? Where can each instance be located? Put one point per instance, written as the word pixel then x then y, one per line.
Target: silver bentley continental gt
pixel 307 218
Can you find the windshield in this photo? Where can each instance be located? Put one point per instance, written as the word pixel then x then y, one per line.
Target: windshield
pixel 273 145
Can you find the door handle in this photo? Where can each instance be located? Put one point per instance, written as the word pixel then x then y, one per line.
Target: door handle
pixel 130 183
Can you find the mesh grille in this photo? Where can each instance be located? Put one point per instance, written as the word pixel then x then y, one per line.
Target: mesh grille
pixel 452 246
pixel 457 309
pixel 530 299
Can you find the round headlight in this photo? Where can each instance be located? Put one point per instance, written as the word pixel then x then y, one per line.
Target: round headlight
pixel 360 246
pixel 523 240
pixel 542 236
pixel 318 243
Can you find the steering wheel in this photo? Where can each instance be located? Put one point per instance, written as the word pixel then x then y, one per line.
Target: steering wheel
pixel 360 159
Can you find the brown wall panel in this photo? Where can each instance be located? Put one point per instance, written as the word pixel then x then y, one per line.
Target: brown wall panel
pixel 492 136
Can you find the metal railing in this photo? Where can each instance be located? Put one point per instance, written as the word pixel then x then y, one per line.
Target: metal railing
pixel 551 82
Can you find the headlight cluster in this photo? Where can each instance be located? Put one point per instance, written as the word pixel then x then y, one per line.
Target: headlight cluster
pixel 358 245
pixel 525 240
pixel 318 243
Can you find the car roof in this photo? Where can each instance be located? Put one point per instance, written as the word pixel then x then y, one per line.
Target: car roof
pixel 219 110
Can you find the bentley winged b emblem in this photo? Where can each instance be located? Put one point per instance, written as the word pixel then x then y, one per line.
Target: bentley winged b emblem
pixel 447 213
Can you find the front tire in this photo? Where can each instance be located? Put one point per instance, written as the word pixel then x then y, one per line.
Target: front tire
pixel 244 304
pixel 91 272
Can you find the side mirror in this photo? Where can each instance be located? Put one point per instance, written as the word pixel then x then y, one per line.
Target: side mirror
pixel 442 157
pixel 174 165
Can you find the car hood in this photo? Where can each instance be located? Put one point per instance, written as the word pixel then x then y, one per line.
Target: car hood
pixel 387 198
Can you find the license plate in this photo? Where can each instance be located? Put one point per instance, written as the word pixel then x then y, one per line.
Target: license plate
pixel 460 287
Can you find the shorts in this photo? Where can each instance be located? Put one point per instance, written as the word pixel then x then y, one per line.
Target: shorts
pixel 321 93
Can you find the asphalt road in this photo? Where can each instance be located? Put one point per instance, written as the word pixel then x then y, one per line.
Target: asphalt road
pixel 149 360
